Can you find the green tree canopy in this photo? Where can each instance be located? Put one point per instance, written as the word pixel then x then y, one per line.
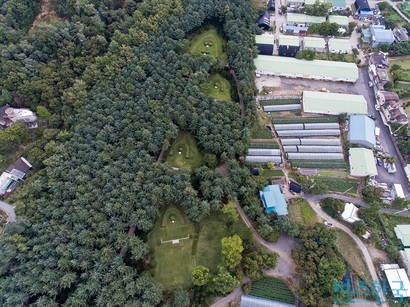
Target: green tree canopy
pixel 200 276
pixel 232 251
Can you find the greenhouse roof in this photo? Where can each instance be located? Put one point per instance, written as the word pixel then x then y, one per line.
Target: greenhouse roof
pixel 254 301
pixel 333 103
pixel 362 162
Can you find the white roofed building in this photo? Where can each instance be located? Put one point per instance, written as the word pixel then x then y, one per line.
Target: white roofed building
pixel 350 213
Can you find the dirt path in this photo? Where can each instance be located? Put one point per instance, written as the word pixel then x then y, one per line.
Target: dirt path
pixel 45 10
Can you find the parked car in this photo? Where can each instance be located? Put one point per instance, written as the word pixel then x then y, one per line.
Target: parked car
pixel 370 84
pixel 359 46
pixel 376 107
pixel 328 224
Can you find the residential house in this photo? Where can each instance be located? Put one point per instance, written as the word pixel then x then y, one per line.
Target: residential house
pixel 264 21
pixel 273 200
pixel 9 115
pixel 385 97
pixel 398 115
pixel 400 34
pixel 381 36
pixel 295 187
pixel 13 175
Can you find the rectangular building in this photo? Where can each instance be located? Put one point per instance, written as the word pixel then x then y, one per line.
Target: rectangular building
pixel 316 69
pixel 265 43
pixel 333 103
pixel 362 162
pixel 303 19
pixel 317 44
pixel 339 45
pixel 362 131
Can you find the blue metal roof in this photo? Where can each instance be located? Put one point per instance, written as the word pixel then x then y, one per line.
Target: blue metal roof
pixel 274 200
pixel 361 130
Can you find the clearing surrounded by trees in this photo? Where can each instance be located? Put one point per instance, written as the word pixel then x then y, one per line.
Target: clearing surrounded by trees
pixel 218 87
pixel 208 42
pixel 184 152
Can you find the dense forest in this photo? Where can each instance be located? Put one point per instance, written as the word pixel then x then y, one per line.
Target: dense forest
pixel 114 85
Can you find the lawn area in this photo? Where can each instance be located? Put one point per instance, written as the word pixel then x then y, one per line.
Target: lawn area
pixel 175 262
pixel 207 42
pixel 184 152
pixel 335 57
pixel 266 145
pixel 337 184
pixel 351 254
pixel 273 288
pixel 301 212
pixel 403 63
pixel 218 87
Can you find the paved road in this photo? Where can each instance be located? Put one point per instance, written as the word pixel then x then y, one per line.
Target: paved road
pixel 362 87
pixel 9 209
pixel 314 201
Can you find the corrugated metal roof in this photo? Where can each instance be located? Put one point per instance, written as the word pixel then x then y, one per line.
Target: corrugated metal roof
pixel 340 20
pixel 254 301
pixel 399 282
pixel 333 103
pixel 288 126
pixel 274 200
pixel 281 107
pixel 361 130
pixel 324 142
pixel 382 35
pixel 339 44
pixel 403 233
pixel 361 162
pixel 318 69
pixel 303 18
pixel 314 42
pixel 264 39
pixel 289 40
pixel 338 3
pixel 315 156
pixel 263 152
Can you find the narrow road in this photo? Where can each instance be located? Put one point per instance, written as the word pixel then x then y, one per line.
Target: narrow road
pixel 312 200
pixel 9 209
pixel 285 267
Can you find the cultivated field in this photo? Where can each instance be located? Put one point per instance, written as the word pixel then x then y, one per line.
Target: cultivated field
pixel 184 152
pixel 301 212
pixel 273 288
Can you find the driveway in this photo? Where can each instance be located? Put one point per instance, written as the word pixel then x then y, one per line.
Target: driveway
pixel 312 200
pixel 9 209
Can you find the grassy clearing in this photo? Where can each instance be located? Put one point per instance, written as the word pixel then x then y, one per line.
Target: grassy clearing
pixel 268 173
pixel 295 212
pixel 264 145
pixel 309 216
pixel 174 262
pixel 333 173
pixel 260 131
pixel 279 102
pixel 184 152
pixel 207 42
pixel 403 63
pixel 351 254
pixel 218 88
pixel 296 120
pixel 318 164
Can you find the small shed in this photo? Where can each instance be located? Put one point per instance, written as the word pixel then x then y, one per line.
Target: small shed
pixel 254 171
pixel 350 213
pixel 264 21
pixel 295 187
